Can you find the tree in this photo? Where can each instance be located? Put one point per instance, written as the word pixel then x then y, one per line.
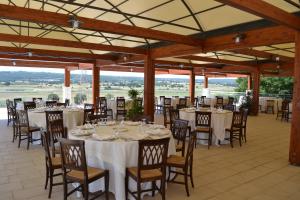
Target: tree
pixel 7 83
pixel 242 84
pixel 53 97
pixel 79 98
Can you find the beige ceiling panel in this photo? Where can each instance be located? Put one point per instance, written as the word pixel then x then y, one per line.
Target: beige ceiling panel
pixel 6 29
pixel 283 53
pixel 189 21
pixel 111 35
pixel 177 30
pixel 90 13
pixel 92 39
pixel 233 58
pixel 100 52
pixel 112 17
pixel 144 23
pixel 200 5
pixel 223 17
pixel 60 35
pixel 175 59
pixel 97 3
pixel 47 47
pixel 125 43
pixel 6 44
pixel 168 12
pixel 200 62
pixel 284 5
pixel 262 48
pixel 209 54
pixel 139 6
pixel 285 46
pixel 134 38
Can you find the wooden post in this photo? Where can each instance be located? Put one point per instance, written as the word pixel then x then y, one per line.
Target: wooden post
pixel 294 156
pixel 149 85
pixel 192 86
pixel 67 77
pixel 95 83
pixel 249 86
pixel 205 82
pixel 255 100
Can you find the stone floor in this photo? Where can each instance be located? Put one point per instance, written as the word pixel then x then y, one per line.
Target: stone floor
pixel 259 170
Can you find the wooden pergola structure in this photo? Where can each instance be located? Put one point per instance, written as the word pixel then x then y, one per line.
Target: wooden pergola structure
pixel 216 38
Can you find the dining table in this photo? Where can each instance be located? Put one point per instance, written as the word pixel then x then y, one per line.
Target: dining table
pixel 114 146
pixel 220 120
pixel 72 116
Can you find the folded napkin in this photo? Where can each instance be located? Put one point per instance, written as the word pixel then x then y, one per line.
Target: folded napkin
pixel 157 132
pixel 78 132
pixel 104 137
pixel 130 123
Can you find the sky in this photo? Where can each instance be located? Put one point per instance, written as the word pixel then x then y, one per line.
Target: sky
pixel 107 73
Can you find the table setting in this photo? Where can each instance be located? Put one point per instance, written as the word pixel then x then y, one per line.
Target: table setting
pixel 114 146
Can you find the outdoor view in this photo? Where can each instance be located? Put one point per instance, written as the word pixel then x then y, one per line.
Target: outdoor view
pixel 27 83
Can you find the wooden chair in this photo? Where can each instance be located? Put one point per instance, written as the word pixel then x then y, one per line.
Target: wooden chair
pixel 270 106
pixel 167 102
pixel 185 163
pixel 52 164
pixel 236 129
pixel 203 125
pixel 23 129
pixel 75 169
pixel 173 115
pixel 244 126
pixel 56 131
pixel 103 108
pixel 86 113
pixel 279 113
pixel 196 102
pixel 285 110
pixel 182 103
pixel 219 102
pixel 95 118
pixel 151 167
pixel 15 123
pixel 166 114
pixel 229 107
pixel 9 107
pixel 230 101
pixel 67 102
pixel 59 104
pixel 28 105
pixel 121 110
pixel 88 106
pixel 17 100
pixel 159 106
pixel 51 104
pixel 179 132
pixel 52 115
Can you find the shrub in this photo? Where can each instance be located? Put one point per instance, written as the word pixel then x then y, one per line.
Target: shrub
pixel 53 97
pixel 79 98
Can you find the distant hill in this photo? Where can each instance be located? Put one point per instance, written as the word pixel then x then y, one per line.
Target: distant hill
pixel 46 77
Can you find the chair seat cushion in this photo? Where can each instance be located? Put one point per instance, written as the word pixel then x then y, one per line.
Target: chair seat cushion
pixel 202 129
pixel 234 129
pixel 151 174
pixel 56 162
pixel 31 129
pixel 179 147
pixel 175 160
pixel 79 175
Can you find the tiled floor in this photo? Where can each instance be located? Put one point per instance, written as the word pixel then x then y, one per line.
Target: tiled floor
pixel 258 170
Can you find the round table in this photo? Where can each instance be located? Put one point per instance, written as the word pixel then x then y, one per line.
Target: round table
pixel 72 118
pixel 219 122
pixel 116 155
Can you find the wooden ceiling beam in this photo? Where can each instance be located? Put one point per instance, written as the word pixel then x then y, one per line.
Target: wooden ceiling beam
pixel 38 64
pixel 265 10
pixel 67 43
pixel 258 37
pixel 45 17
pixel 53 53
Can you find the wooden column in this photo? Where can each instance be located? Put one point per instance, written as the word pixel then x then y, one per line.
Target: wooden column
pixel 67 77
pixel 249 86
pixel 294 156
pixel 255 100
pixel 192 86
pixel 95 83
pixel 149 85
pixel 205 82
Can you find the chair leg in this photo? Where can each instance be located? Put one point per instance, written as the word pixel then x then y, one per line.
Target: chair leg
pixel 169 173
pixel 240 137
pixel 138 191
pixel 19 139
pixel 231 142
pixel 245 134
pixel 47 176
pixel 191 175
pixel 106 185
pixel 51 182
pixel 65 188
pixel 153 188
pixel 126 185
pixel 28 140
pixel 163 188
pixel 86 190
pixel 186 183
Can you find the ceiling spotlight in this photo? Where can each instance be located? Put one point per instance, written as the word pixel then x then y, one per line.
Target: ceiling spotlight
pixel 181 66
pixel 277 58
pixel 131 69
pixel 14 63
pixel 239 37
pixel 125 58
pixel 75 23
pixel 278 66
pixel 29 54
pixel 203 72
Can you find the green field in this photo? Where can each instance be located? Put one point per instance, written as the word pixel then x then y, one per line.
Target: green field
pixel 28 90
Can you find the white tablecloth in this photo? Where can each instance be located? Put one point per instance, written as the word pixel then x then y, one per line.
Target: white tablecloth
pixel 220 121
pixel 263 103
pixel 72 118
pixel 115 156
pixel 20 105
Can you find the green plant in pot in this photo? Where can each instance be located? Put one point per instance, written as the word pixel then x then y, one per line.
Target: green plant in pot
pixel 135 110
